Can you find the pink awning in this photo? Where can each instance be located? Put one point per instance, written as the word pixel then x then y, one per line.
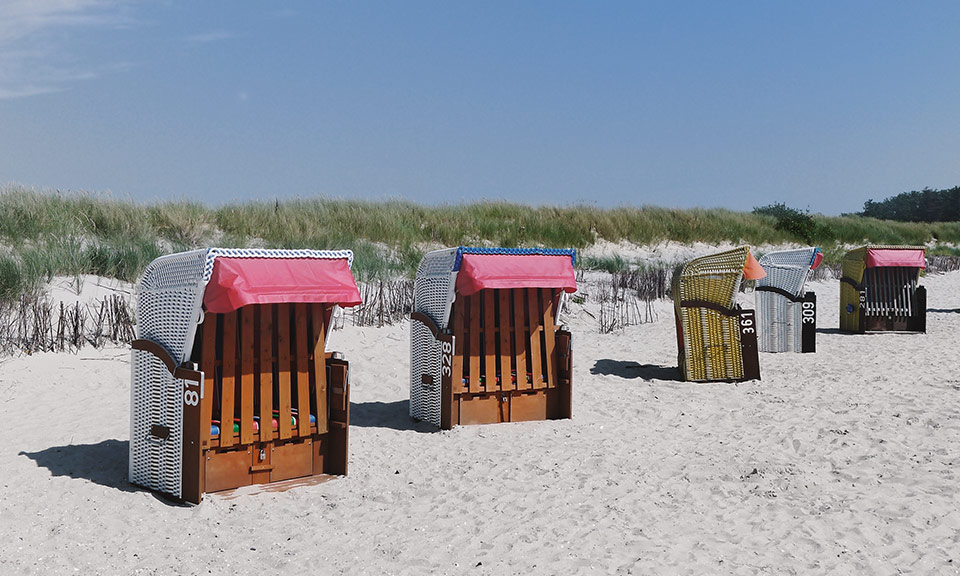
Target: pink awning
pixel 479 271
pixel 817 259
pixel 877 258
pixel 237 282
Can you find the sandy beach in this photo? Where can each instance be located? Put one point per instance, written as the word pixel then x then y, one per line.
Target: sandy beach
pixel 840 462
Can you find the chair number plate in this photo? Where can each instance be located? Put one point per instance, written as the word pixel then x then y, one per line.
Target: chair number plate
pixel 190 397
pixel 446 358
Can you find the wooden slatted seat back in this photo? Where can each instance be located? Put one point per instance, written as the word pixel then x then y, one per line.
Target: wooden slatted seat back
pixel 505 340
pixel 264 363
pixel 485 346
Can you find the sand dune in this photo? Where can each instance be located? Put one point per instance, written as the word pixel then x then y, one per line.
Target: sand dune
pixel 841 462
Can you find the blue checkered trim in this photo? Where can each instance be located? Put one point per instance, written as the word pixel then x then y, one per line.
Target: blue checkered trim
pixel 515 252
pixel 214 253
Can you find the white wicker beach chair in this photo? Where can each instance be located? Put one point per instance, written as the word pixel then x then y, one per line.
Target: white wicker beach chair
pixel 492 354
pixel 183 441
pixel 786 316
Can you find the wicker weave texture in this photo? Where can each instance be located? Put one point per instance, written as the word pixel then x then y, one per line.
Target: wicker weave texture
pixel 714 278
pixel 156 398
pixel 169 300
pixel 425 352
pixel 780 322
pixel 778 319
pixel 433 294
pixel 787 269
pixel 168 306
pixel 711 340
pixel 712 343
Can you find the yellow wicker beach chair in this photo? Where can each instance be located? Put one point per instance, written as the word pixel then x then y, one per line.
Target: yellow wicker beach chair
pixel 717 339
pixel 879 290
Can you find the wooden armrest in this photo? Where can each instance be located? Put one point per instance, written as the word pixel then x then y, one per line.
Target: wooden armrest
pixel 182 372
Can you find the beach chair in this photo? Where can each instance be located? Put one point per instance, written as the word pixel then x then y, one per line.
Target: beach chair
pixel 485 345
pixel 786 315
pixel 231 383
pixel 717 339
pixel 879 290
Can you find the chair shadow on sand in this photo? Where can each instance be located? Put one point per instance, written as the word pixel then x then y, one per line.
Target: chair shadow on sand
pixel 630 370
pixel 830 331
pixel 392 415
pixel 104 463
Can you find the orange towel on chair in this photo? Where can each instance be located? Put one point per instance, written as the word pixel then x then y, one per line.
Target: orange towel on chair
pixel 752 270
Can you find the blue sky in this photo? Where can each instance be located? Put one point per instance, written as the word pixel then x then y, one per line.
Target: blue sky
pixel 821 105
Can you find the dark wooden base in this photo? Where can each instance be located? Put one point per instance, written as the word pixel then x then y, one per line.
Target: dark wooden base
pixel 915 323
pixel 881 324
pixel 808 323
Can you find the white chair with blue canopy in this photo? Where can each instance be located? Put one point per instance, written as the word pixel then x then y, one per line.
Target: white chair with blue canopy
pixel 485 344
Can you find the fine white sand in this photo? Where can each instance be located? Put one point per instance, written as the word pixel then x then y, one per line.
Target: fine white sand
pixel 839 462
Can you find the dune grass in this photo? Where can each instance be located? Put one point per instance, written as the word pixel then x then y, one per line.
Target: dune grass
pixel 45 234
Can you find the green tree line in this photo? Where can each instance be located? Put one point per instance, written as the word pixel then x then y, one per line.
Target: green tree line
pixel 925 205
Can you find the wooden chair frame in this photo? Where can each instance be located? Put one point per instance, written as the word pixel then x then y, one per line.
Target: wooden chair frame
pixel 493 333
pixel 494 353
pixel 245 379
pixel 881 299
pixel 256 398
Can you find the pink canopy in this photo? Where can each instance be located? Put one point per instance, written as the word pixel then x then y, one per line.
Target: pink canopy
pixel 237 282
pixel 912 258
pixel 817 259
pixel 479 271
